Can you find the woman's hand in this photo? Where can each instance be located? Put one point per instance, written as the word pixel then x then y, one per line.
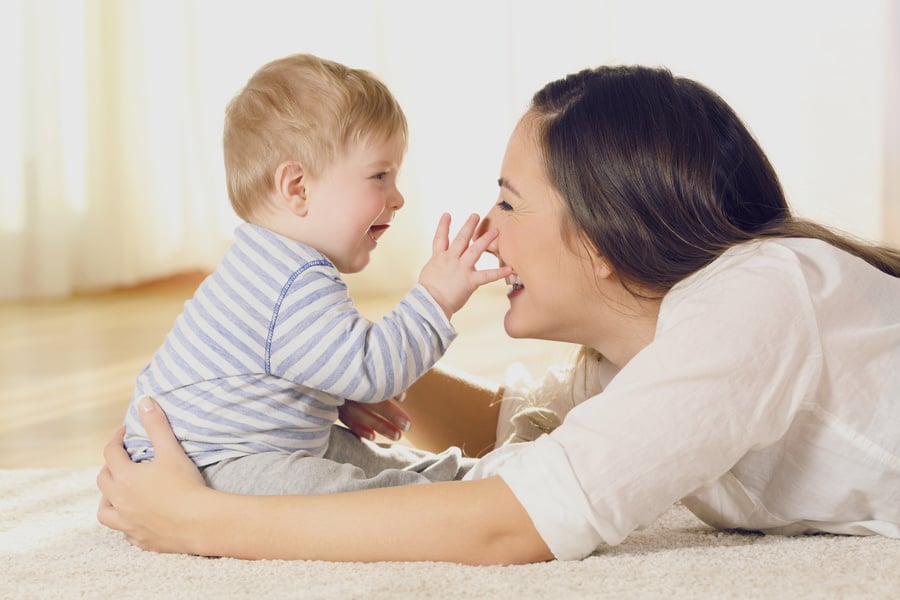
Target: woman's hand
pixel 385 418
pixel 156 503
pixel 164 505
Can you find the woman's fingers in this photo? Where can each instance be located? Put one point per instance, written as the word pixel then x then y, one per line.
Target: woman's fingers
pixel 356 421
pixel 114 453
pixel 107 515
pixel 395 416
pixel 385 418
pixel 365 423
pixel 158 429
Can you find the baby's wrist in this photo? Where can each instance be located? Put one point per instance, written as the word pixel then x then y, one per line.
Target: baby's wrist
pixel 445 306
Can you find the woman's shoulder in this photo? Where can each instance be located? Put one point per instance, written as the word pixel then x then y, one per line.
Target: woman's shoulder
pixel 787 277
pixel 774 251
pixel 766 264
pixel 787 250
pixel 759 285
pixel 773 260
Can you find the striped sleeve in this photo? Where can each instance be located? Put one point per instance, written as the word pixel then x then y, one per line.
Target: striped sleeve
pixel 319 339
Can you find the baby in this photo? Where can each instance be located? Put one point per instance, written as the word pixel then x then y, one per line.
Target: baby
pixel 271 345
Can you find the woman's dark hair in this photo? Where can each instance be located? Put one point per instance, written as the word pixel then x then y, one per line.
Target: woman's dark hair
pixel 661 176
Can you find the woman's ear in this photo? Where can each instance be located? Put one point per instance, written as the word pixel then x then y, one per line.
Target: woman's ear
pixel 599 265
pixel 602 268
pixel 290 187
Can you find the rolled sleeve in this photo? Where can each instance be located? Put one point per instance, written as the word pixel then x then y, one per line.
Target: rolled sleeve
pixel 538 475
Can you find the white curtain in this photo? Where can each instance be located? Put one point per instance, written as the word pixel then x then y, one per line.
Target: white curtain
pixel 109 161
pixel 110 120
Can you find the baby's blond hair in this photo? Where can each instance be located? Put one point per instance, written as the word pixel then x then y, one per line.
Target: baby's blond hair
pixel 304 108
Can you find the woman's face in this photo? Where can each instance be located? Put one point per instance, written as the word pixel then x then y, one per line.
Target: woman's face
pixel 553 282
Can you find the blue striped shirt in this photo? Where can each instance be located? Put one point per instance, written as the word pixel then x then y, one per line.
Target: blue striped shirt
pixel 270 346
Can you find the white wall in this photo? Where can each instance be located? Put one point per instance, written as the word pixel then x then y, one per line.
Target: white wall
pixel 810 79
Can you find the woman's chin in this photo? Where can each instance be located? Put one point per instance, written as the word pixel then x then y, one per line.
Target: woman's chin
pixel 529 329
pixel 513 329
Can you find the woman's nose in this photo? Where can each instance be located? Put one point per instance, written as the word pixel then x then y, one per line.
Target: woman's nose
pixel 484 226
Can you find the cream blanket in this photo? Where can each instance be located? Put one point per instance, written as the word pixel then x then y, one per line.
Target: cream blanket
pixel 51 546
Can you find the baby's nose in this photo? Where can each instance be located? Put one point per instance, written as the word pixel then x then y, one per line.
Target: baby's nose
pixel 396 200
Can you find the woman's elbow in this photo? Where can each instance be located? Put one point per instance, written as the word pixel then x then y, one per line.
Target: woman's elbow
pixel 495 529
pixel 522 547
pixel 508 535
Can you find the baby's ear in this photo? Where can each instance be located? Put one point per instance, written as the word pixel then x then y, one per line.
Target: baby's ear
pixel 290 187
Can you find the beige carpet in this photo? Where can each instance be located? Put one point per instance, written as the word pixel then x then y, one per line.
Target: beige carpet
pixel 52 547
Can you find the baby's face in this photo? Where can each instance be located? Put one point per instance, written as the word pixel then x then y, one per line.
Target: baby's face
pixel 354 200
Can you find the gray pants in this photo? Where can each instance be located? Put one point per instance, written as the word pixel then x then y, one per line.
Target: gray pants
pixel 349 464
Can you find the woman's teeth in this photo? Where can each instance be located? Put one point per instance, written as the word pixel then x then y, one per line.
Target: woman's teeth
pixel 514 283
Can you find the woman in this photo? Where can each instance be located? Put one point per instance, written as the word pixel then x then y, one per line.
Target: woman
pixel 735 357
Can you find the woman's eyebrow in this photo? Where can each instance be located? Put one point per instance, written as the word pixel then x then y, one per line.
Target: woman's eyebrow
pixel 504 183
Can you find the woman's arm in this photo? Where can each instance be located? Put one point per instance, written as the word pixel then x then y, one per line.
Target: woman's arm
pixel 450 408
pixel 443 408
pixel 473 522
pixel 163 505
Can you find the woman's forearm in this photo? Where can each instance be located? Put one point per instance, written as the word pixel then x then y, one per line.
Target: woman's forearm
pixel 473 522
pixel 164 505
pixel 449 408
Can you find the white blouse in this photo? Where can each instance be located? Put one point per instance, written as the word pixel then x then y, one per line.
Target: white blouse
pixel 768 400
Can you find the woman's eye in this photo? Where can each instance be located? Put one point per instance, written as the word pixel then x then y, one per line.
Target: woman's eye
pixel 504 205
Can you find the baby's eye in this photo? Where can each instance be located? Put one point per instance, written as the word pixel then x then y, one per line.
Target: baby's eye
pixel 504 205
pixel 380 176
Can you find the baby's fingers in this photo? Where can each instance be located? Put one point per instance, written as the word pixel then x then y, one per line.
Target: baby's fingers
pixel 441 235
pixel 477 247
pixel 464 237
pixel 488 275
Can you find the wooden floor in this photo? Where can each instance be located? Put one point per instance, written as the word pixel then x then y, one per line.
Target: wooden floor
pixel 67 367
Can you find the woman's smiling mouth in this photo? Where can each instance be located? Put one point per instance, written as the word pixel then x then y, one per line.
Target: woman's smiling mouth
pixel 514 283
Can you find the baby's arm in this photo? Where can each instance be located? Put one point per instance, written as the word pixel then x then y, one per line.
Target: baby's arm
pixel 450 275
pixel 319 340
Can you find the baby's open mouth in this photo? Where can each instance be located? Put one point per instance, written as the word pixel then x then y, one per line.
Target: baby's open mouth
pixel 376 231
pixel 514 283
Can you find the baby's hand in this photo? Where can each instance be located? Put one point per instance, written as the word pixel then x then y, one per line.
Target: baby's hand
pixel 450 276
